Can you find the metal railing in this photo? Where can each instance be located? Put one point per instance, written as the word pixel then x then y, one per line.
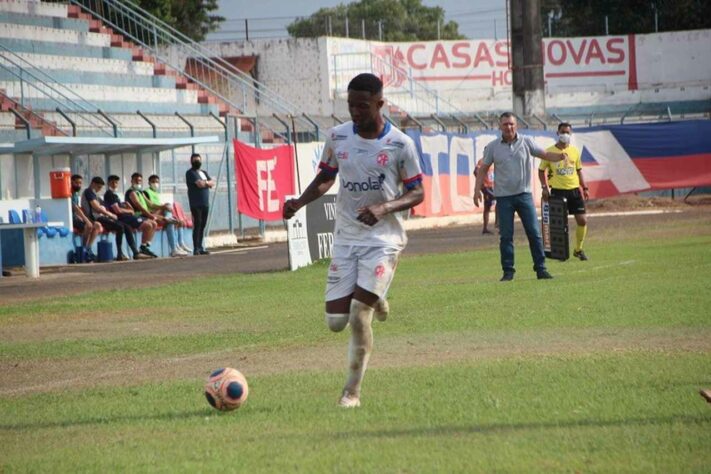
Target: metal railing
pixel 37 90
pixel 192 60
pixel 402 89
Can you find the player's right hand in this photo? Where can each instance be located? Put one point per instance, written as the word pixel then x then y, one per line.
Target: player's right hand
pixel 290 208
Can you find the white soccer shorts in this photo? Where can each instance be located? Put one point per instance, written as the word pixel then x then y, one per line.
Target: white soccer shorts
pixel 371 268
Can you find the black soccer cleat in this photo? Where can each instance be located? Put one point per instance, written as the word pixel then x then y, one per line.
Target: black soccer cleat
pixel 544 275
pixel 580 255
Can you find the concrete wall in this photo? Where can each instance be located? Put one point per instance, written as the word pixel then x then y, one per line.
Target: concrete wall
pixel 295 69
pixel 474 75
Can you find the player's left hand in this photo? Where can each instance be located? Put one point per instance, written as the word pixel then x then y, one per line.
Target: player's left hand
pixel 371 215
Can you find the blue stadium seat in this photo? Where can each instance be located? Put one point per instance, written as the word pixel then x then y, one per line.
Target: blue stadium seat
pixel 14 217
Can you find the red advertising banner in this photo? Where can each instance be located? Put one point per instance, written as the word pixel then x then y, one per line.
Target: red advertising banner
pixel 264 177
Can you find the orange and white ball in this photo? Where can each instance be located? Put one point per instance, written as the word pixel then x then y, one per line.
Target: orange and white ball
pixel 226 389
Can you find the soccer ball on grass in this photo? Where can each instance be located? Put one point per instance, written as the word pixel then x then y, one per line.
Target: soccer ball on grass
pixel 226 389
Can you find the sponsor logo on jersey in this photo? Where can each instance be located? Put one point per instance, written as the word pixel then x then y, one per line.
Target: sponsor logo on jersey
pixel 336 137
pixel 371 184
pixel 382 159
pixel 342 155
pixel 333 267
pixel 395 143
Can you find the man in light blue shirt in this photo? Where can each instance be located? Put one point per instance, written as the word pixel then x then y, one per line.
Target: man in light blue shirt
pixel 512 155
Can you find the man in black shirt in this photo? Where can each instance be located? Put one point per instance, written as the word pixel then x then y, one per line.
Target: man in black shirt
pixel 199 184
pixel 93 207
pixel 127 214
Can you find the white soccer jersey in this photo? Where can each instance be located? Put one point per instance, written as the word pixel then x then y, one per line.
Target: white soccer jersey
pixel 370 172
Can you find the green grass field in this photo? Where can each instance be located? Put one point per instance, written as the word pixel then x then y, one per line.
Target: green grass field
pixel 597 370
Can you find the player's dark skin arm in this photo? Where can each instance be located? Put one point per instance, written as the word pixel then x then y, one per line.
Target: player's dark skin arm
pixel 318 187
pixel 372 214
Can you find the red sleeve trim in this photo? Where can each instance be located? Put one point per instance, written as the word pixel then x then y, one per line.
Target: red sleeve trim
pixel 417 177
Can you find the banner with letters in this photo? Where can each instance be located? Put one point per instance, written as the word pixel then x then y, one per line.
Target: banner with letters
pixel 617 159
pixel 263 178
pixel 310 232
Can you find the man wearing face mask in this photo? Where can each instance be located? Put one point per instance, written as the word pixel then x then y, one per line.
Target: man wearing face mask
pixel 199 184
pixel 565 179
pixel 81 222
pixel 137 200
pixel 125 215
pixel 165 216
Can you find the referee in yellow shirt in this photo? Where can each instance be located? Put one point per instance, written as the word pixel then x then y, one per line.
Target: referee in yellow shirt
pixel 565 179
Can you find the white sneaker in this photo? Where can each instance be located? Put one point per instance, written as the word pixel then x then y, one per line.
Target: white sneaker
pixel 382 309
pixel 185 248
pixel 178 253
pixel 349 401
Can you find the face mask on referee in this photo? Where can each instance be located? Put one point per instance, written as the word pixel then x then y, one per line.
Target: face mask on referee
pixel 564 138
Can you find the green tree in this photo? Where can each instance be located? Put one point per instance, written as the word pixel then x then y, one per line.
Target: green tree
pixel 191 17
pixel 587 17
pixel 398 20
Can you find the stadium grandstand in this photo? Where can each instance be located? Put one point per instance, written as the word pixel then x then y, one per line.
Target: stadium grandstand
pixel 102 87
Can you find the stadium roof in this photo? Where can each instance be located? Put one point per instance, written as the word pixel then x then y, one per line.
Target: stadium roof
pixel 101 145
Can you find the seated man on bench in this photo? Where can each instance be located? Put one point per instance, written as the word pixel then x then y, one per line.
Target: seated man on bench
pixel 126 214
pixel 95 210
pixel 80 221
pixel 153 199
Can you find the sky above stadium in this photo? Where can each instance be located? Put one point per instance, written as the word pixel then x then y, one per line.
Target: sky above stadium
pixel 477 19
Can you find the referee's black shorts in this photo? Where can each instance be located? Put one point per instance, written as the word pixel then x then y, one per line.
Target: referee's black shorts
pixel 576 203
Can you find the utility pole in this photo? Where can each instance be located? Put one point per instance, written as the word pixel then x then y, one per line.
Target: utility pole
pixel 527 58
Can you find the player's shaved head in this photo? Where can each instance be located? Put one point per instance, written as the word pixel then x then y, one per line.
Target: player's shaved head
pixel 366 82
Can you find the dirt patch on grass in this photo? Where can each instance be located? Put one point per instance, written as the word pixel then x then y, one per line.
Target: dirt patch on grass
pixel 28 377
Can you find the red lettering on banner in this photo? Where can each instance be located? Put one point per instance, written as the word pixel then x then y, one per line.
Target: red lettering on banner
pixel 562 54
pixel 577 55
pixel 263 178
pixel 502 78
pixel 411 59
pixel 595 52
pixel 439 56
pixel 502 49
pixel 463 55
pixel 619 52
pixel 483 54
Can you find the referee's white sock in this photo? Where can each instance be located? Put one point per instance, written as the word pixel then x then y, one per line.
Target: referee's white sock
pixel 360 345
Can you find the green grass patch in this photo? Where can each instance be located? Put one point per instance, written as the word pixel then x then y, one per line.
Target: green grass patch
pixel 595 371
pixel 635 411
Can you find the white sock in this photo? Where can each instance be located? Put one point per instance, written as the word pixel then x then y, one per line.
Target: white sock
pixel 360 345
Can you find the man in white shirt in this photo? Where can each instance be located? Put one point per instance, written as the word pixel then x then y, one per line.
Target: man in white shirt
pixel 380 176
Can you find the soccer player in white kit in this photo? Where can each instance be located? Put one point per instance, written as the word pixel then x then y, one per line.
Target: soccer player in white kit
pixel 379 172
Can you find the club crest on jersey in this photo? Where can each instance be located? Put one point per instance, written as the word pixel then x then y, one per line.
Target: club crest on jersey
pixel 379 270
pixel 342 155
pixel 333 267
pixel 383 159
pixel 371 184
